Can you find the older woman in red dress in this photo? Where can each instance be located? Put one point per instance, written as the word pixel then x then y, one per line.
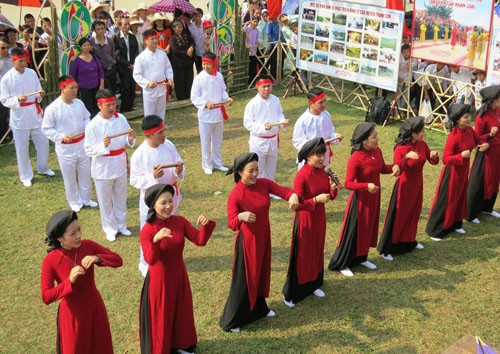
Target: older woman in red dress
pixel 314 187
pixel 248 214
pixel 82 321
pixel 167 319
pixel 449 207
pixel 360 227
pixel 410 153
pixel 485 176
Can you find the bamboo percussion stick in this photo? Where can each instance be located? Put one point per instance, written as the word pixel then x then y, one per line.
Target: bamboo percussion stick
pixel 77 135
pixel 33 93
pixel 170 165
pixel 276 124
pixel 331 139
pixel 118 134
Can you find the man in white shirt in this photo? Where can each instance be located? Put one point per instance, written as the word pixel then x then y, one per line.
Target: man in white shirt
pixel 20 90
pixel 315 122
pixel 208 94
pixel 5 65
pixel 153 71
pixel 146 168
pixel 109 163
pixel 479 84
pixel 262 117
pixel 461 84
pixel 196 30
pixel 64 123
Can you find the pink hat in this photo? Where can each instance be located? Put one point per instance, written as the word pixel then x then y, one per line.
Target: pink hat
pixel 207 24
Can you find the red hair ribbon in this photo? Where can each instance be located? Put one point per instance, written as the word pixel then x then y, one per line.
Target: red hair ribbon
pixel 65 83
pixel 155 129
pixel 264 82
pixel 19 56
pixel 214 62
pixel 151 35
pixel 317 98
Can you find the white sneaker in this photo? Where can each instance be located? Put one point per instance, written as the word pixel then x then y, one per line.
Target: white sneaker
pixel 476 221
pixel 222 168
pixel 288 303
pixel 235 330
pixel 27 183
pixel 495 214
pixel 319 293
pixel 460 231
pixel 208 171
pixel 111 237
pixel 388 257
pixel 419 246
pixel 49 173
pixel 91 204
pixel 436 239
pixel 125 232
pixel 347 272
pixel 75 207
pixel 368 265
pixel 271 313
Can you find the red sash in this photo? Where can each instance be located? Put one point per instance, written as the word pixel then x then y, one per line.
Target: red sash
pixel 38 108
pixel 115 152
pixel 224 113
pixel 75 140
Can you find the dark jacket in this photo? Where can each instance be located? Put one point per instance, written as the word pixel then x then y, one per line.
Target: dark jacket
pixel 121 51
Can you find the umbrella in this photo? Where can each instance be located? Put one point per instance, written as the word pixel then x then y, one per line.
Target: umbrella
pixel 29 3
pixel 171 5
pixel 5 23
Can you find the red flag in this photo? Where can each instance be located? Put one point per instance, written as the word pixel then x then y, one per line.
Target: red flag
pixel 274 8
pixel 394 5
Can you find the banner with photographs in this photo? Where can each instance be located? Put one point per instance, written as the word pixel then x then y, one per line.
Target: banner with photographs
pixel 493 77
pixel 452 31
pixel 350 41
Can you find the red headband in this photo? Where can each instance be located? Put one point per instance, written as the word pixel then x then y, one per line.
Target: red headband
pixel 19 56
pixel 151 35
pixel 317 98
pixel 106 99
pixel 155 129
pixel 65 83
pixel 214 62
pixel 264 82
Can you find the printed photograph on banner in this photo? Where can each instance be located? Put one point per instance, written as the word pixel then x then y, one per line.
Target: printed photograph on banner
pixel 493 77
pixel 452 31
pixel 354 42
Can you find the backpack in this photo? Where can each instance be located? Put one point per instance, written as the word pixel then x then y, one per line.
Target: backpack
pixel 378 110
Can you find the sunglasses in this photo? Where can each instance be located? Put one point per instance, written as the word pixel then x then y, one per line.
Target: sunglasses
pixel 4 47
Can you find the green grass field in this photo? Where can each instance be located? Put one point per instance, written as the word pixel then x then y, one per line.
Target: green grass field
pixel 419 303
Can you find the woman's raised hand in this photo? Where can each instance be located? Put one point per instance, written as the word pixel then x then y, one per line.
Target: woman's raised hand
pixel 160 235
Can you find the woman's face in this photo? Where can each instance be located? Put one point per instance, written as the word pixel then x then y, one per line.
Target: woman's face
pixel 464 120
pixel 316 161
pixel 164 205
pixel 372 141
pixel 178 30
pixel 250 173
pixel 418 136
pixel 495 104
pixel 72 237
pixel 160 23
pixel 86 47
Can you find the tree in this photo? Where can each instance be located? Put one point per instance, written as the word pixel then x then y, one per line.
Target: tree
pixel 439 10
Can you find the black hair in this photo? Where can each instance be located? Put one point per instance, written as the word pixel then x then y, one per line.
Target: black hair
pixel 54 229
pixel 8 30
pixel 17 51
pixel 176 23
pixel 315 91
pixel 150 122
pixel 104 93
pixel 46 19
pixel 64 78
pixel 4 39
pixel 82 41
pixel 102 14
pixel 28 16
pixel 264 77
pixel 200 11
pixel 405 47
pixel 98 23
pixel 236 174
pixel 209 55
pixel 318 150
pixel 149 32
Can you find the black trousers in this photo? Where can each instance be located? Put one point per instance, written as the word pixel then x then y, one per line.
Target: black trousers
pixel 197 62
pixel 89 100
pixel 110 78
pixel 183 80
pixel 4 121
pixel 128 90
pixel 252 68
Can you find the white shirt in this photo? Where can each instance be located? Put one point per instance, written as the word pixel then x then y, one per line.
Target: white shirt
pixel 196 33
pixel 61 118
pixel 258 112
pixel 444 72
pixel 143 161
pixel 106 167
pixel 153 67
pixel 404 73
pixel 14 84
pixel 310 126
pixel 208 88
pixel 461 80
pixel 479 86
pixel 126 40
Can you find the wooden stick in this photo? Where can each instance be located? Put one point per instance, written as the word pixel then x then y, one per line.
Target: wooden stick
pixel 77 135
pixel 33 93
pixel 170 165
pixel 276 124
pixel 118 134
pixel 331 139
pixel 220 104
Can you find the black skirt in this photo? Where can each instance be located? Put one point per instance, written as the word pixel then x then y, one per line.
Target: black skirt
pixel 292 290
pixel 475 192
pixel 145 330
pixel 237 311
pixel 345 254
pixel 386 246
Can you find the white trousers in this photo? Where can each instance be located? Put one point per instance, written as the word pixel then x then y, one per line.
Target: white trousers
pixel 112 198
pixel 267 165
pixel 22 144
pixel 211 144
pixel 76 177
pixel 154 105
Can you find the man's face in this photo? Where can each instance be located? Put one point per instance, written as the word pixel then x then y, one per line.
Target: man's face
pixel 20 64
pixel 207 67
pixel 152 43
pixel 406 53
pixel 30 21
pixel 125 25
pixel 12 36
pixel 70 91
pixel 197 18
pixel 100 30
pixel 4 49
pixel 265 90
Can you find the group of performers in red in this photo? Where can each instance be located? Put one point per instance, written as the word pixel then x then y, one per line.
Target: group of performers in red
pixel 166 306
